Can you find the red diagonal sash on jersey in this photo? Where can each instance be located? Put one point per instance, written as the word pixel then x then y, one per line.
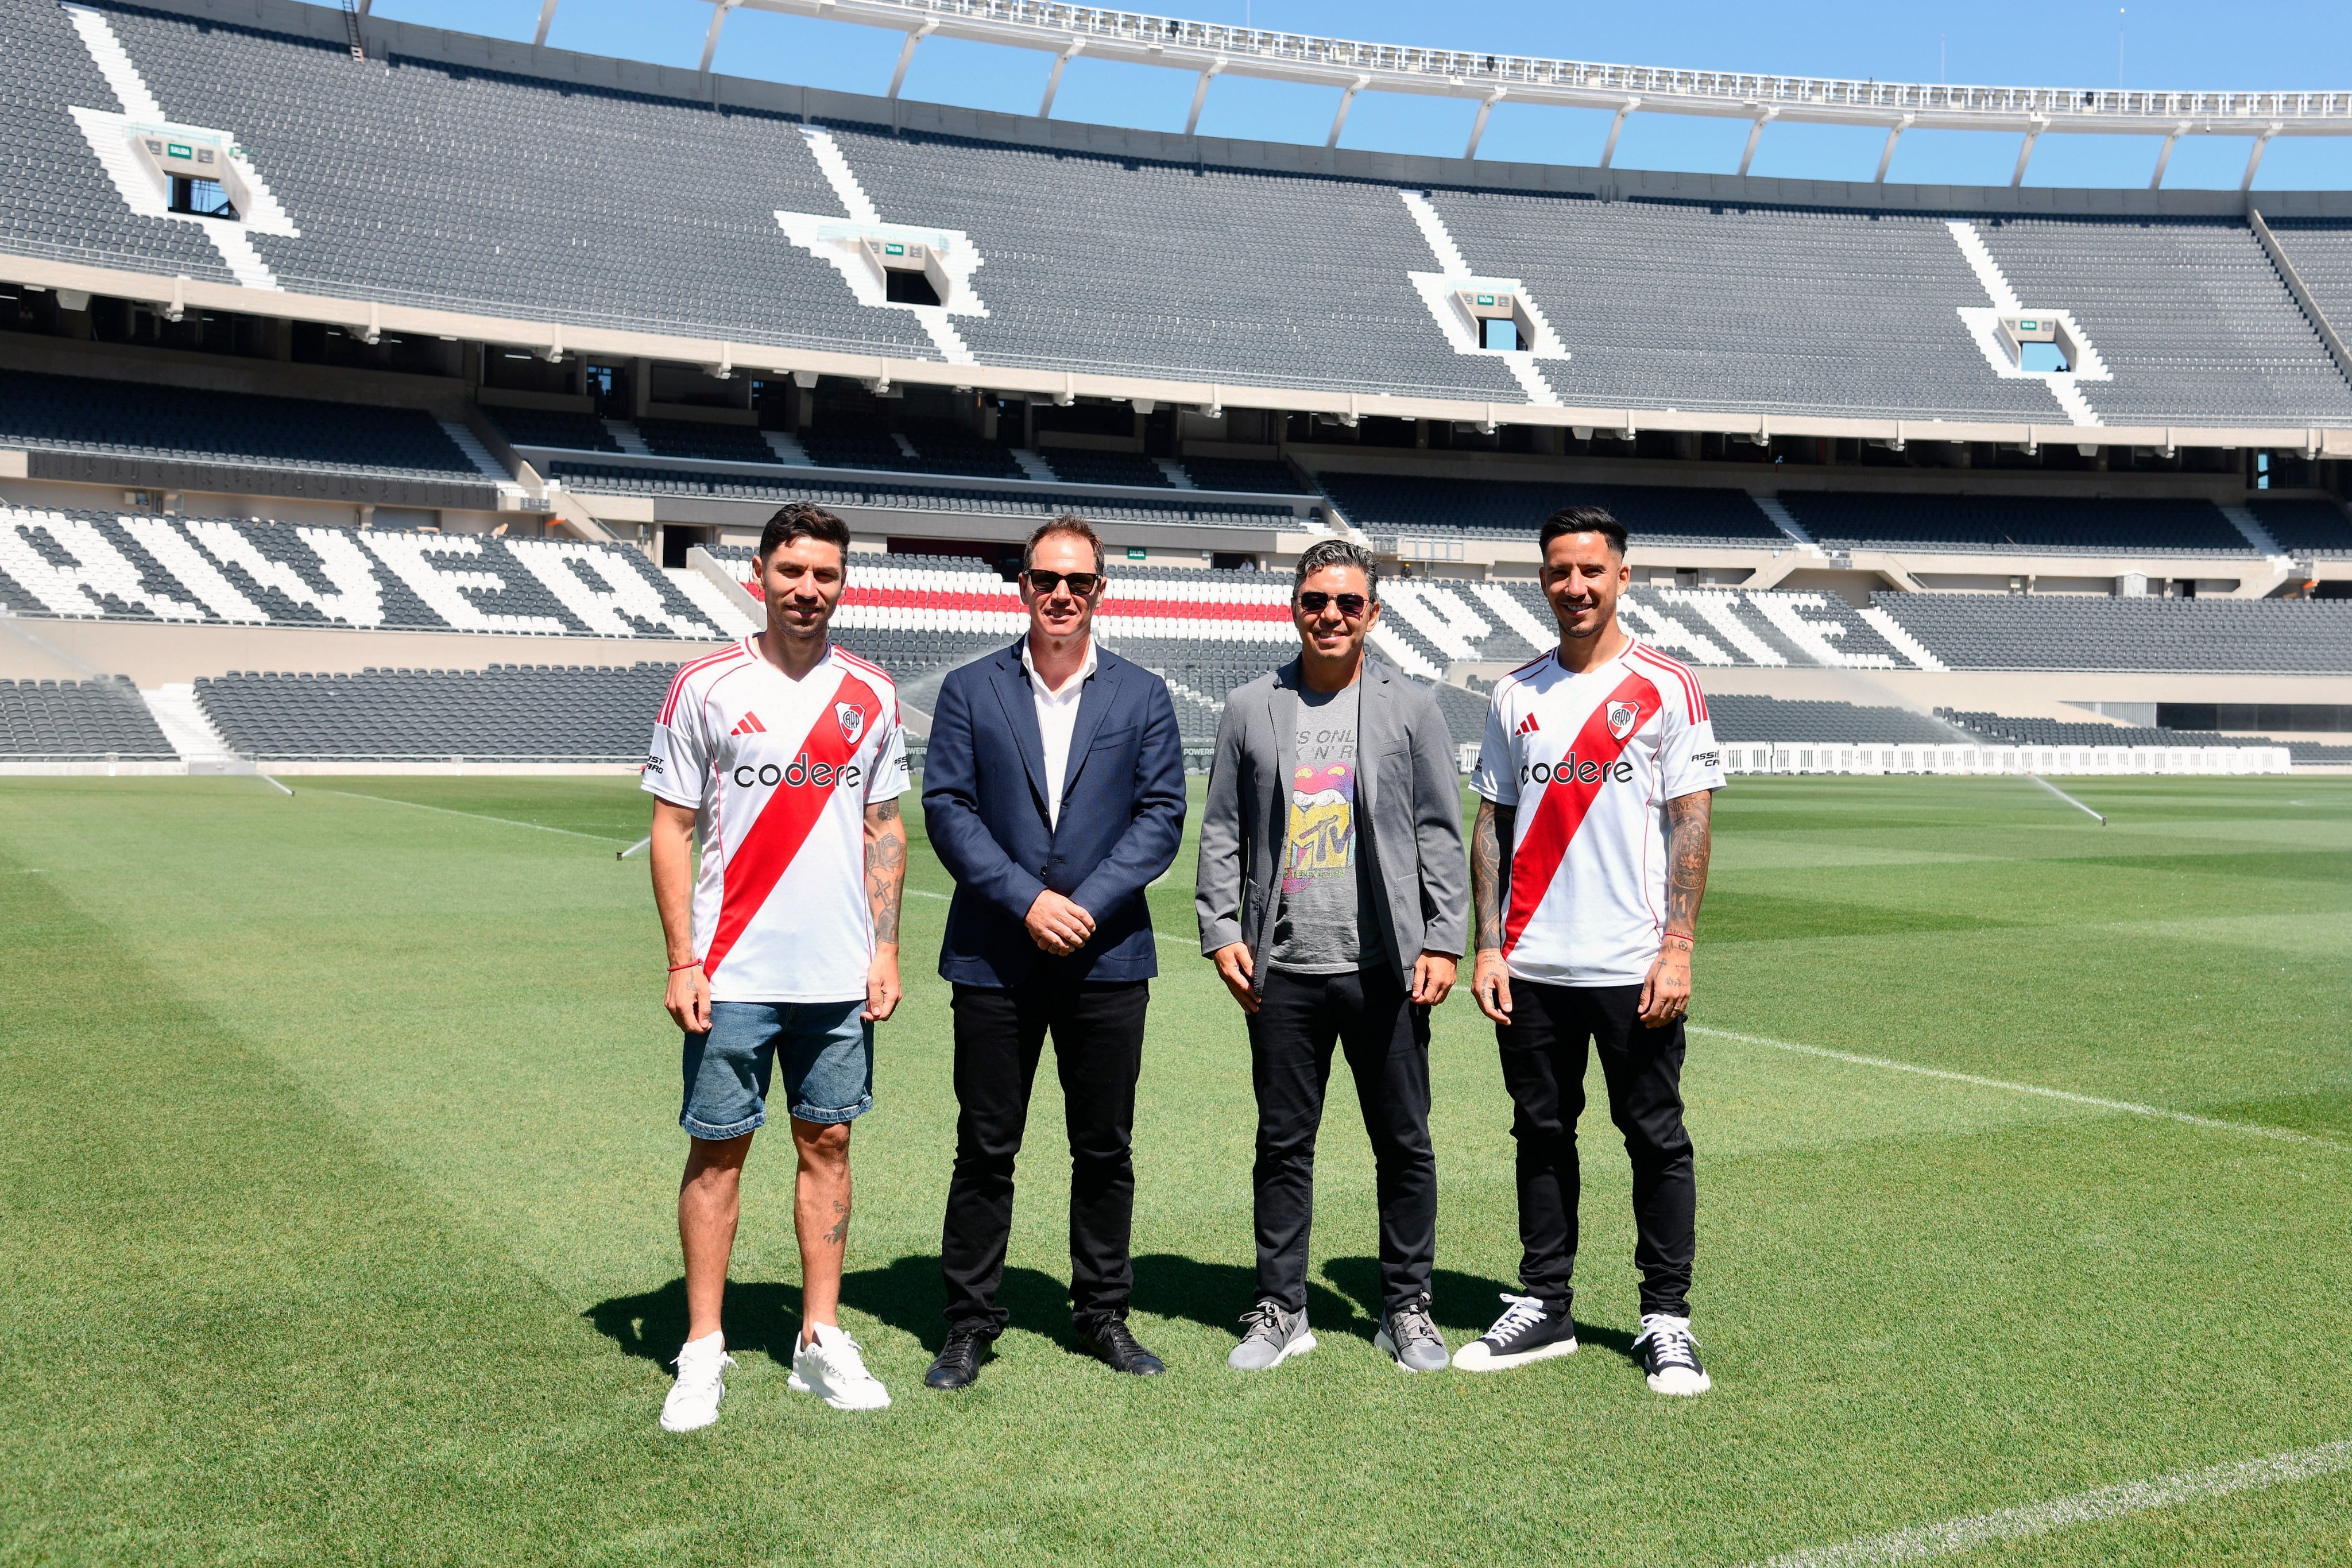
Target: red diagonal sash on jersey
pixel 1560 810
pixel 784 823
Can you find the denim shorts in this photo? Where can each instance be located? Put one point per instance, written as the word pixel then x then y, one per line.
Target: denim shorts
pixel 826 1050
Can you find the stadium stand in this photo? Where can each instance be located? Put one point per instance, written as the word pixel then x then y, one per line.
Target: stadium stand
pixel 694 438
pixel 131 419
pixel 2071 732
pixel 1708 306
pixel 920 447
pixel 2190 316
pixel 1385 505
pixel 1685 304
pixel 1243 473
pixel 259 573
pixel 1077 467
pixel 1040 504
pixel 2013 524
pixel 547 427
pixel 1744 719
pixel 506 713
pixel 2305 527
pixel 78 721
pixel 2043 631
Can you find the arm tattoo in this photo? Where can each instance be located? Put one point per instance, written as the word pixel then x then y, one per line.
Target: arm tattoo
pixel 886 867
pixel 1489 871
pixel 1690 838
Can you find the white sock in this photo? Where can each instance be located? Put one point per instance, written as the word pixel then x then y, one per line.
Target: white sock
pixel 712 1343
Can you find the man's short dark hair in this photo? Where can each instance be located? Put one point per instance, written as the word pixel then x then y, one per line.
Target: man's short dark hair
pixel 1338 552
pixel 1583 520
pixel 804 520
pixel 1069 523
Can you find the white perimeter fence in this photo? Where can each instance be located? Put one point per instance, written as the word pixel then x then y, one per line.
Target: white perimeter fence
pixel 1813 757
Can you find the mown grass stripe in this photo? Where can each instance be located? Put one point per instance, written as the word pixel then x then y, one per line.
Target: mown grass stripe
pixel 1955 1535
pixel 476 816
pixel 2252 1129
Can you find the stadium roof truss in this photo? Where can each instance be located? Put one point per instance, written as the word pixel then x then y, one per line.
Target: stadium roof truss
pixel 1213 49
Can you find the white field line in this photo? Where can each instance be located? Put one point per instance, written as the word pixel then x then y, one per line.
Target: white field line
pixel 2251 1129
pixel 476 816
pixel 2082 1507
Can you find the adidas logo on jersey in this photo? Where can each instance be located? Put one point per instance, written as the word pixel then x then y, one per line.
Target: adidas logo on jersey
pixel 750 725
pixel 1528 726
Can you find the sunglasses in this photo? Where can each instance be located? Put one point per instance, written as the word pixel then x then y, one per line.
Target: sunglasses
pixel 1352 605
pixel 1082 583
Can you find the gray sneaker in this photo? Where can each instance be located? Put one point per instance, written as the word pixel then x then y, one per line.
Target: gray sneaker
pixel 1408 1334
pixel 1271 1337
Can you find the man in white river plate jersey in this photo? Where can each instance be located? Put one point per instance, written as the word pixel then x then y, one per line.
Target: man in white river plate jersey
pixel 1588 861
pixel 781 755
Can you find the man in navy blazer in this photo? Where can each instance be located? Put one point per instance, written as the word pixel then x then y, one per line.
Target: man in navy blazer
pixel 1053 794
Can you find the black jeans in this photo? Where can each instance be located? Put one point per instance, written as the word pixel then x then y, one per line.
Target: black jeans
pixel 1097 1033
pixel 1386 1037
pixel 1543 1065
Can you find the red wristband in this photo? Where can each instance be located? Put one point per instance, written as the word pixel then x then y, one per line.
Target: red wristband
pixel 694 963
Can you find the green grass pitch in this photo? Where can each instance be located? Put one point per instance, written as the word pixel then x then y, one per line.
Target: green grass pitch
pixel 336 1213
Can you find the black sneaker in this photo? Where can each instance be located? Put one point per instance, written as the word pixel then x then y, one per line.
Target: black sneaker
pixel 1526 1332
pixel 1670 1356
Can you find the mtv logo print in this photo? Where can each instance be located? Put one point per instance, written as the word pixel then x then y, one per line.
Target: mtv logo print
pixel 1620 719
pixel 853 720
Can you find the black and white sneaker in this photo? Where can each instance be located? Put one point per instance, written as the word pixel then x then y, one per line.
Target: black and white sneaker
pixel 1525 1333
pixel 1670 1356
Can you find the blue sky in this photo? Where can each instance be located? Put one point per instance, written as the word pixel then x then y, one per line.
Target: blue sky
pixel 2253 43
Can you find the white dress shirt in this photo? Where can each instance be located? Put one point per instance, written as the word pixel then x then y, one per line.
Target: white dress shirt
pixel 1057 719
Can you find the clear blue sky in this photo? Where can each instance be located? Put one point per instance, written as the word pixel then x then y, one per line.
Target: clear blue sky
pixel 2294 43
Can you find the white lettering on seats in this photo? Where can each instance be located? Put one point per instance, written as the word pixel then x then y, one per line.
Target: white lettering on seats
pixel 99 571
pixel 626 591
pixel 445 592
pixel 1663 631
pixel 356 600
pixel 1813 637
pixel 183 560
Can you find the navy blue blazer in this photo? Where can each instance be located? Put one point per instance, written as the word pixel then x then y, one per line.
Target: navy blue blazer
pixel 984 808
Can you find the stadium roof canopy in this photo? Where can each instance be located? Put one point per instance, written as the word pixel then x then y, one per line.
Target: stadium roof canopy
pixel 1214 48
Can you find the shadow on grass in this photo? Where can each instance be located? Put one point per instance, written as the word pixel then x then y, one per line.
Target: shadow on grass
pixel 763 1316
pixel 1466 1303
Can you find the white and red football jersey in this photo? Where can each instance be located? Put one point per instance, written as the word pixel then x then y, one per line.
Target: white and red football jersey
pixel 779 772
pixel 1589 762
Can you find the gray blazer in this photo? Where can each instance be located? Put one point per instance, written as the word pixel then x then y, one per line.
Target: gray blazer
pixel 1408 808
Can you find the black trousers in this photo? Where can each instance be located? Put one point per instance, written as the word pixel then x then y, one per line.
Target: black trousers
pixel 1386 1038
pixel 1543 1050
pixel 1000 1034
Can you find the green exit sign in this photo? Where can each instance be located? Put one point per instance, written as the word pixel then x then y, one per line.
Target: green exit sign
pixel 894 250
pixel 179 149
pixel 1485 299
pixel 1135 554
pixel 2029 326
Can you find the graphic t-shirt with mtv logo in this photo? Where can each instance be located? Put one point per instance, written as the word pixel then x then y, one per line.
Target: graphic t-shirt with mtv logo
pixel 1328 920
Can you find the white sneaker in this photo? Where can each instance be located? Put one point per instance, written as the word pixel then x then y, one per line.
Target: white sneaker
pixel 1670 1356
pixel 693 1400
pixel 830 1367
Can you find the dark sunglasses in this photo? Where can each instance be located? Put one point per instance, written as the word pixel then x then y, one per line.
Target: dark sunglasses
pixel 1352 605
pixel 1082 583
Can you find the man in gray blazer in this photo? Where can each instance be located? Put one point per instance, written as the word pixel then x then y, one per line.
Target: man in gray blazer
pixel 1333 896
